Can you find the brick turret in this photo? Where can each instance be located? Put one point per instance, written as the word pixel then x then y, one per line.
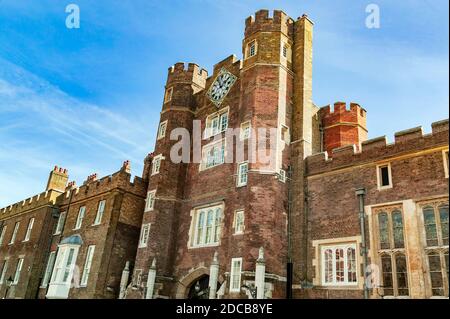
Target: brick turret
pixel 342 126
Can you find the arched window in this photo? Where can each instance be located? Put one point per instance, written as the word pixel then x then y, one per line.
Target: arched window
pixel 388 281
pixel 383 226
pixel 436 274
pixel 397 229
pixel 443 214
pixel 429 218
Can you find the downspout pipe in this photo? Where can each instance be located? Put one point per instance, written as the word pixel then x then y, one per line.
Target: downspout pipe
pixel 361 193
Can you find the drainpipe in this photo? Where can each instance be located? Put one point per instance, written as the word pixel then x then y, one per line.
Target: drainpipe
pixel 289 265
pixel 360 193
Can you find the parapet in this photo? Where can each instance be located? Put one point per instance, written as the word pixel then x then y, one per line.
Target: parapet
pixel 190 73
pixel 406 141
pixel 120 180
pixel 341 113
pixel 43 199
pixel 262 22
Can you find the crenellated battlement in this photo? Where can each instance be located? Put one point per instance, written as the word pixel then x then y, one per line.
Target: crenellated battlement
pixel 340 110
pixel 45 198
pixel 93 186
pixel 263 22
pixel 377 149
pixel 181 72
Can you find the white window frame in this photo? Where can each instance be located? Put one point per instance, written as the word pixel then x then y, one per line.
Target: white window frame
pixel 239 230
pixel 157 167
pixel 62 266
pixel 249 54
pixel 4 270
pixel 240 175
pixel 2 234
pixel 29 229
pixel 232 274
pixel 14 234
pixel 18 271
pixel 205 152
pixel 150 201
pixel 379 177
pixel 445 156
pixel 334 282
pixel 60 224
pixel 243 135
pixel 87 266
pixel 100 212
pixel 80 217
pixel 161 131
pixel 48 269
pixel 217 117
pixel 145 234
pixel 168 95
pixel 199 239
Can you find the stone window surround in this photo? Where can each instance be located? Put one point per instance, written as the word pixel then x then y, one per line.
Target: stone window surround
pixel 192 228
pixel 317 261
pixel 208 133
pixel 379 166
pixel 151 207
pixel 168 95
pixel 441 249
pixel 248 47
pixel 162 133
pixel 159 158
pixel 143 241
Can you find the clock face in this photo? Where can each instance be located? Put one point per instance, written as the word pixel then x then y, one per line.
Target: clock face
pixel 221 86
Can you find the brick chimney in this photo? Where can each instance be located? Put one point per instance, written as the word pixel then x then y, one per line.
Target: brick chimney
pixel 57 179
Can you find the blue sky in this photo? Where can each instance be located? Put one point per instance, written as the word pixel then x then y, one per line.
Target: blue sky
pixel 87 99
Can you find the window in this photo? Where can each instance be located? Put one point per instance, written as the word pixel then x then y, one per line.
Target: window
pixel 48 269
pixel 100 211
pixel 156 165
pixel 143 239
pixel 384 176
pixel 18 270
pixel 64 266
pixel 87 266
pixel 239 222
pixel 162 130
pixel 339 265
pixel 446 163
pixel 4 270
pixel 14 234
pixel 60 224
pixel 29 229
pixel 242 174
pixel 235 277
pixel 168 95
pixel 245 131
pixel 436 225
pixel 213 155
pixel 2 234
pixel 80 217
pixel 207 226
pixel 69 265
pixel 286 51
pixel 251 49
pixel 150 201
pixel 391 251
pixel 435 218
pixel 216 123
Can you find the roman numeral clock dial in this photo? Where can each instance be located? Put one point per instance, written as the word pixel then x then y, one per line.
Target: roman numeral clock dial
pixel 221 86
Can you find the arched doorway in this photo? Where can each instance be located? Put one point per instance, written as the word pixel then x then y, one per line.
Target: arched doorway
pixel 199 288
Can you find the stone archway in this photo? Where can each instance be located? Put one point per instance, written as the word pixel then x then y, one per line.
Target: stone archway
pixel 185 283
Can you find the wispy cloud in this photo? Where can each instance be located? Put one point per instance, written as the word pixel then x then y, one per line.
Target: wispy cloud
pixel 35 116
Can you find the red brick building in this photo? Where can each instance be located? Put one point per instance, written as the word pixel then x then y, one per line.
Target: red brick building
pixel 317 208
